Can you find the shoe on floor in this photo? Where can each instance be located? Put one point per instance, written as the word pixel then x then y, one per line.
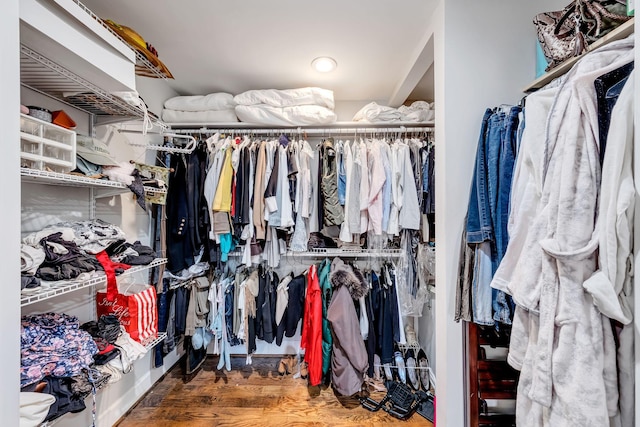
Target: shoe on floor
pixel 412 372
pixel 377 375
pixel 400 367
pixel 387 372
pixel 423 364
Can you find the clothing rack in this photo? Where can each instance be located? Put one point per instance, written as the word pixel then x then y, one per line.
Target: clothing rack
pixel 328 131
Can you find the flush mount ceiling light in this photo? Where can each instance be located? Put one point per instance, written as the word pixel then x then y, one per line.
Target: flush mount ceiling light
pixel 324 64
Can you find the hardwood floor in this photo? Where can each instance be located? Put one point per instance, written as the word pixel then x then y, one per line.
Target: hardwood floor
pixel 250 396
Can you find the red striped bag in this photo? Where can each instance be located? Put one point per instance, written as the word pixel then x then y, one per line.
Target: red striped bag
pixel 136 307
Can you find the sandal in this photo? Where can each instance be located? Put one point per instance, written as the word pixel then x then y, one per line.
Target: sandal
pixel 282 366
pixel 304 370
pixel 292 364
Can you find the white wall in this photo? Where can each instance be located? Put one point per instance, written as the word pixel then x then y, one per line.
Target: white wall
pixel 10 235
pixel 484 56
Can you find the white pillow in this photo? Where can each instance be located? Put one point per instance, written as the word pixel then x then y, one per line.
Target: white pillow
pixel 34 407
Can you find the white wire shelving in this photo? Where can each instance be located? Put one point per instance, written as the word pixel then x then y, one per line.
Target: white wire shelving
pixel 39 73
pixel 143 66
pixel 55 289
pixel 65 179
pixel 155 341
pixel 148 345
pixel 338 252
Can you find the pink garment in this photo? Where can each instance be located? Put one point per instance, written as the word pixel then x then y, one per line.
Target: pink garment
pixel 377 179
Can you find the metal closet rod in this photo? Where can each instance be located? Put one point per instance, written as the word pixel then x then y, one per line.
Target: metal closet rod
pixel 308 131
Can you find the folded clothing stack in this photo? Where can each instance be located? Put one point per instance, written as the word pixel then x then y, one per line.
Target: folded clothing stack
pixel 297 107
pixel 212 108
pixel 418 112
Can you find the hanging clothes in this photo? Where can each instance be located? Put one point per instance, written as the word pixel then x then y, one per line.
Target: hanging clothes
pixel 311 339
pixel 560 341
pixel 349 359
pixel 326 290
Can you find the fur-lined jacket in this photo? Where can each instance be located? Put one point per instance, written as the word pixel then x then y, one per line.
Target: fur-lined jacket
pixel 349 359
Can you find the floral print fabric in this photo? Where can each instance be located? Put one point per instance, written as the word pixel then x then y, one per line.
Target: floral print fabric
pixel 53 344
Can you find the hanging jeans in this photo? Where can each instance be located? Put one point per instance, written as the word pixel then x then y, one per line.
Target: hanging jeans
pixel 489 211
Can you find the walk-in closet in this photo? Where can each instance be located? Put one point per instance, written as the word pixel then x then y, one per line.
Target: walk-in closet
pixel 318 214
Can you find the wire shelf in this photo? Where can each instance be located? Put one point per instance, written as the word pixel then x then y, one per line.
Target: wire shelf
pixel 143 66
pixel 39 73
pixel 64 287
pixel 345 253
pixel 155 341
pixel 69 180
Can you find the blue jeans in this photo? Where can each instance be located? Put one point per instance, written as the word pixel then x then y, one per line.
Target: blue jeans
pixel 489 211
pixel 479 227
pixel 481 292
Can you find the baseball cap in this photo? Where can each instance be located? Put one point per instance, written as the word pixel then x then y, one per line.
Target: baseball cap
pixel 94 150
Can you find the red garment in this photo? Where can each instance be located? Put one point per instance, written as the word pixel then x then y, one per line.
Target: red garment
pixel 311 339
pixel 110 270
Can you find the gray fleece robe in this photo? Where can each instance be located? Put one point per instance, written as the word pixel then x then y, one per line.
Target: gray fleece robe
pixel 560 341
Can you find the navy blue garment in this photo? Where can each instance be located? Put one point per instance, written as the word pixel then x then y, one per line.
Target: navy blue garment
pixel 608 87
pixel 294 312
pixel 371 341
pixel 181 305
pixel 384 321
pixel 66 401
pixel 228 314
pixel 389 281
pixel 179 248
pixel 163 300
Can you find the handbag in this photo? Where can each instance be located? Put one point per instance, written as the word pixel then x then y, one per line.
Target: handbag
pixel 568 32
pixel 135 307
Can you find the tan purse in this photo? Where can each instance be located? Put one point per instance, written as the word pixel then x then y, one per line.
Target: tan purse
pixel 568 32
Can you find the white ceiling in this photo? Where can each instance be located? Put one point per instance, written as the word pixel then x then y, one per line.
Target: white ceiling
pixel 233 46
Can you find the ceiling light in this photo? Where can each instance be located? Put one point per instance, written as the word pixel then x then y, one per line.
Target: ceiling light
pixel 324 64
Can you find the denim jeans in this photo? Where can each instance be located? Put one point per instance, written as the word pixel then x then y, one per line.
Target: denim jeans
pixel 480 287
pixel 489 211
pixel 479 226
pixel 505 176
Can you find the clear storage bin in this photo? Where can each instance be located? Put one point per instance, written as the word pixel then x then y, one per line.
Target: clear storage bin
pixel 46 146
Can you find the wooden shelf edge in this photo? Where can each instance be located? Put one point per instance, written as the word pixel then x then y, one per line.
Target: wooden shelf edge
pixel 619 33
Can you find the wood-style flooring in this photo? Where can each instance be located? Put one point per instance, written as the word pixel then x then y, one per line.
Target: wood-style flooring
pixel 251 396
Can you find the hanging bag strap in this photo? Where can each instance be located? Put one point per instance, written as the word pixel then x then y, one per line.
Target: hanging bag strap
pixel 110 271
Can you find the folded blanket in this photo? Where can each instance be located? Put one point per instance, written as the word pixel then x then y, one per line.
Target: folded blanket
pixel 374 113
pixel 419 111
pixel 222 116
pixel 299 115
pixel 213 101
pixel 287 97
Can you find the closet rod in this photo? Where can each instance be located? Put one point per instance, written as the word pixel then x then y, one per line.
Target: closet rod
pixel 308 131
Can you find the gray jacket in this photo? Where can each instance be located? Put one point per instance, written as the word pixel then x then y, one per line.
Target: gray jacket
pixel 349 359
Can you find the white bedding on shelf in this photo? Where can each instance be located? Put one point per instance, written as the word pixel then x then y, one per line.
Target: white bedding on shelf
pixel 287 97
pixel 213 101
pixel 299 115
pixel 418 112
pixel 211 116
